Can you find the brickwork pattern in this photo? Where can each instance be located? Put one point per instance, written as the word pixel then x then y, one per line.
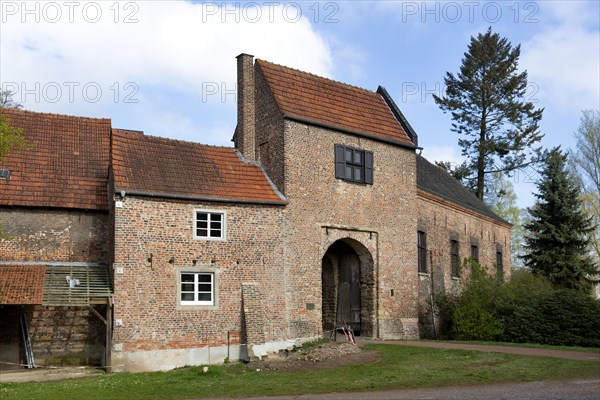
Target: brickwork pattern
pixel 67 335
pixel 60 335
pixel 245 139
pixel 36 234
pixel 269 128
pixel 441 223
pixel 146 293
pixel 252 300
pixel 382 217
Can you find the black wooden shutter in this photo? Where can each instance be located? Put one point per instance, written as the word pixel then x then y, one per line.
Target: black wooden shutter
pixel 369 167
pixel 340 165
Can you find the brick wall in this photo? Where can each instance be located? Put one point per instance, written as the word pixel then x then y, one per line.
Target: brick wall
pixel 380 219
pixel 53 235
pixel 443 221
pixel 269 128
pixel 60 335
pixel 66 335
pixel 146 293
pixel 253 331
pixel 244 138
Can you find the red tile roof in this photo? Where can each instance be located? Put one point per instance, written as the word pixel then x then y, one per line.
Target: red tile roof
pixel 67 166
pixel 22 284
pixel 151 164
pixel 307 96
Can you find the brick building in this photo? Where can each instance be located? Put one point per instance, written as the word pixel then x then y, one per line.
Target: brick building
pixel 322 215
pixel 54 222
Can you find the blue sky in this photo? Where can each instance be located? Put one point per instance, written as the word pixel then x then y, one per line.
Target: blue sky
pixel 168 67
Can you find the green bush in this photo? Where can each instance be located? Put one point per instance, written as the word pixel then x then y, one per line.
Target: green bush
pixel 526 309
pixel 562 317
pixel 473 314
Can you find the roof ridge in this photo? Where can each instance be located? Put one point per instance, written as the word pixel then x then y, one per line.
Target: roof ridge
pixel 167 139
pixel 340 83
pixel 15 110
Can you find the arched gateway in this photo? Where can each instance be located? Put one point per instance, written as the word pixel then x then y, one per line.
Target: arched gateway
pixel 348 287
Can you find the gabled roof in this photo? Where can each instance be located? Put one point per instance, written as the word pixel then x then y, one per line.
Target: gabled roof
pixel 154 166
pixel 66 166
pixel 438 182
pixel 310 98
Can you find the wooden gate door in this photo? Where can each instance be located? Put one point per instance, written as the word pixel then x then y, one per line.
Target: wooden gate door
pixel 349 292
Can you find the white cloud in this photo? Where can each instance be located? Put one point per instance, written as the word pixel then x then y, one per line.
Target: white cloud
pixel 178 47
pixel 562 59
pixel 442 153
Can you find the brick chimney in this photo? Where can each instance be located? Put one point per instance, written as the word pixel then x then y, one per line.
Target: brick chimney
pixel 245 137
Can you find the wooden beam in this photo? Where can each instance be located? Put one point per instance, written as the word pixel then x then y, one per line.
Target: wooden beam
pixel 108 345
pixel 98 315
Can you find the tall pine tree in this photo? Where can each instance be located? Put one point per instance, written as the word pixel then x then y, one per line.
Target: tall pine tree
pixel 557 235
pixel 489 109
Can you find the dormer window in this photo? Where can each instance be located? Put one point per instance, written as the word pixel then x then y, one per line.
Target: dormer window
pixel 353 165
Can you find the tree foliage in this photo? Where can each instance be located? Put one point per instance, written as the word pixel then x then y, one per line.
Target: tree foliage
pixel 488 105
pixel 584 163
pixel 557 237
pixel 500 196
pixel 6 100
pixel 11 139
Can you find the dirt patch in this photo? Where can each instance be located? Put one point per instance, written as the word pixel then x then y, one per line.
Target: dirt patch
pixel 320 357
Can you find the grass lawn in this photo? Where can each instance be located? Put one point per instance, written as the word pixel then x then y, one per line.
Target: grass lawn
pixel 530 345
pixel 401 367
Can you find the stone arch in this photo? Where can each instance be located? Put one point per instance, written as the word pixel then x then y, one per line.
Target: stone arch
pixel 347 290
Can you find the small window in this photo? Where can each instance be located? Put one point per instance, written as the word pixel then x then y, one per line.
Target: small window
pixel 499 265
pixel 422 251
pixel 353 165
pixel 475 253
pixel 209 225
pixel 197 288
pixel 454 259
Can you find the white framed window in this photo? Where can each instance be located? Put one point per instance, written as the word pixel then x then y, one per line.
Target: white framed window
pixel 197 288
pixel 209 225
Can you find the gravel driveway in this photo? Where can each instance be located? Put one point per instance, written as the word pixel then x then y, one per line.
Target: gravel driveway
pixel 545 390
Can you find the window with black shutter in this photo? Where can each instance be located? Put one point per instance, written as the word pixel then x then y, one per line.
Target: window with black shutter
pixel 353 165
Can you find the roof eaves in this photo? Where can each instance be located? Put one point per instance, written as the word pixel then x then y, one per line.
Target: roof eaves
pixel 178 196
pixel 489 214
pixel 398 115
pixel 349 131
